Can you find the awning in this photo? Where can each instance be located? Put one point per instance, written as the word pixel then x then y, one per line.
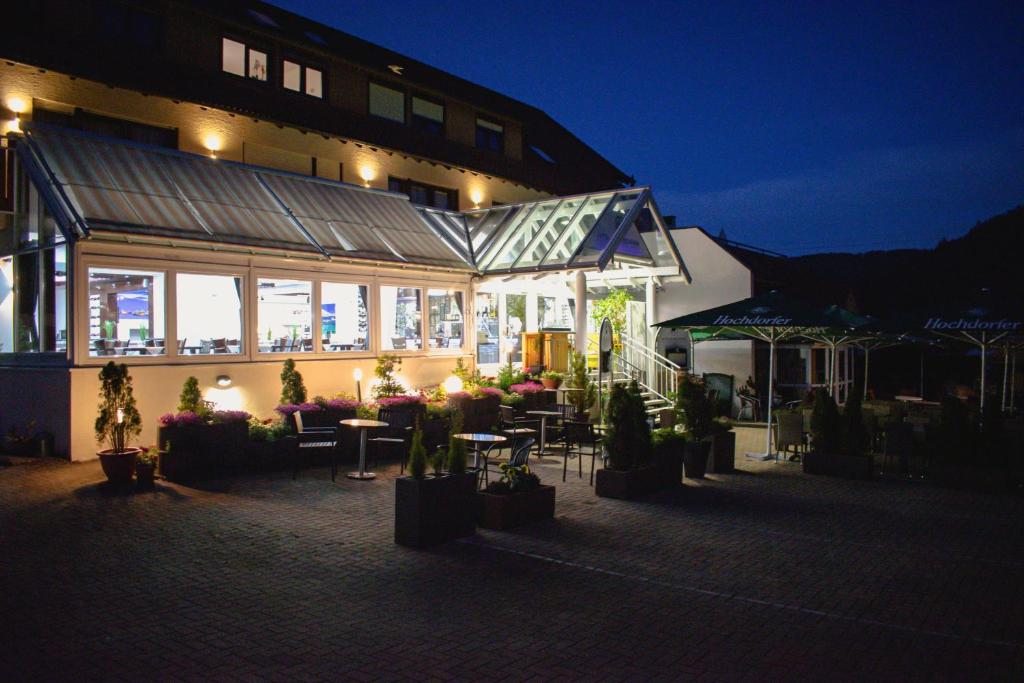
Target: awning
pixel 583 231
pixel 92 183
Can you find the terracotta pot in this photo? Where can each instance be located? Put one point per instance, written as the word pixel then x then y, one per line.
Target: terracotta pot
pixel 119 467
pixel 550 383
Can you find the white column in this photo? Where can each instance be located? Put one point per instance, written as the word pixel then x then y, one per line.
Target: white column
pixel 650 307
pixel 581 311
pixel 532 309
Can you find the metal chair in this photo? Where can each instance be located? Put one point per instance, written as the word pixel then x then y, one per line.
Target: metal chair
pixel 790 434
pixel 749 406
pixel 519 456
pixel 515 425
pixel 313 439
pixel 398 434
pixel 579 434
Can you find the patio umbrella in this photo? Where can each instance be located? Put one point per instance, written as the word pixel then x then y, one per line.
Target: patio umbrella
pixel 841 329
pixel 982 323
pixel 771 318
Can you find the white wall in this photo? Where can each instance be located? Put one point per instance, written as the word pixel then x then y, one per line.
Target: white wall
pixel 717 279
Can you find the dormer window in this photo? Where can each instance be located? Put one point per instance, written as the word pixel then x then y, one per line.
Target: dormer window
pixel 387 103
pixel 299 78
pixel 490 135
pixel 241 60
pixel 427 116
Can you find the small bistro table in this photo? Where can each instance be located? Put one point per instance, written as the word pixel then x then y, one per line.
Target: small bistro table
pixel 543 415
pixel 362 426
pixel 478 439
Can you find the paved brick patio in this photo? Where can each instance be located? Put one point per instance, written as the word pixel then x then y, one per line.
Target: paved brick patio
pixel 766 573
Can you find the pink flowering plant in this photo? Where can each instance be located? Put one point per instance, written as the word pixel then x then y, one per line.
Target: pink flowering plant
pixel 185 418
pixel 525 388
pixel 230 416
pixel 398 401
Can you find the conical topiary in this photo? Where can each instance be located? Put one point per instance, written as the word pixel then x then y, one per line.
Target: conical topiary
pixel 293 390
pixel 456 447
pixel 417 456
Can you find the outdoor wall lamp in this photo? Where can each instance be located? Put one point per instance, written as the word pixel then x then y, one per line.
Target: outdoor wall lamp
pixel 223 381
pixel 357 375
pixel 213 144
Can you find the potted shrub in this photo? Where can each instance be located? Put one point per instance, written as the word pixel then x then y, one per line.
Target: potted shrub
pixel 293 390
pixel 145 468
pixel 837 448
pixel 508 375
pixel 117 422
pixel 667 446
pixel 696 411
pixel 517 498
pixel 534 397
pixel 723 446
pixel 579 378
pixel 628 473
pixel 551 379
pixel 432 510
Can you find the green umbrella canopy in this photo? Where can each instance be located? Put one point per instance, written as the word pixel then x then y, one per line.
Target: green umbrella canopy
pixel 768 317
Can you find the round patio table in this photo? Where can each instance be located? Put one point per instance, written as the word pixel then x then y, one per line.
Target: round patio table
pixel 362 426
pixel 543 415
pixel 477 439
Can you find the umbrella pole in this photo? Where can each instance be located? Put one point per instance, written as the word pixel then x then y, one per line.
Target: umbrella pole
pixel 1013 381
pixel 771 395
pixel 867 359
pixel 1006 369
pixel 921 386
pixel 981 401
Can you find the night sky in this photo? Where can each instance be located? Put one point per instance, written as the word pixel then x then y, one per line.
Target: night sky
pixel 797 127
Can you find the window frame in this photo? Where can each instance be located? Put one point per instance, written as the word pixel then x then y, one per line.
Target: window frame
pixel 405 104
pixel 493 122
pixel 448 351
pixel 406 185
pixel 422 128
pixel 248 48
pixel 314 317
pixel 83 340
pixel 403 284
pixel 304 66
pixel 370 315
pixel 243 318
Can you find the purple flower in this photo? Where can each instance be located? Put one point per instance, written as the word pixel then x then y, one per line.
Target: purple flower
pixel 459 396
pixel 392 401
pixel 167 420
pixel 492 391
pixel 286 409
pixel 230 416
pixel 188 419
pixel 527 388
pixel 342 404
pixel 309 407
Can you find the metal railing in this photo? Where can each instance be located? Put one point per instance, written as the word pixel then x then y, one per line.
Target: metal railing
pixel 651 370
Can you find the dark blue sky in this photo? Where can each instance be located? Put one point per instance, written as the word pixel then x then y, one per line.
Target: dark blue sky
pixel 798 127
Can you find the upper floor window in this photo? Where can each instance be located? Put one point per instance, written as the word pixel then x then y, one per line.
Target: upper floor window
pixel 387 103
pixel 427 116
pixel 129 26
pixel 425 195
pixel 490 135
pixel 304 79
pixel 241 60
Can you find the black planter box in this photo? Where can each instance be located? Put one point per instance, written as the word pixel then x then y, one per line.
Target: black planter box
pixel 695 458
pixel 199 452
pixel 723 453
pixel 628 484
pixel 502 512
pixel 669 460
pixel 838 465
pixel 435 509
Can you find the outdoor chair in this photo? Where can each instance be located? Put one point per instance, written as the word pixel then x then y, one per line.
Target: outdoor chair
pixel 397 436
pixel 397 343
pixel 312 440
pixel 519 456
pixel 515 425
pixel 750 408
pixel 790 434
pixel 578 435
pixel 898 445
pixel 219 345
pixel 181 346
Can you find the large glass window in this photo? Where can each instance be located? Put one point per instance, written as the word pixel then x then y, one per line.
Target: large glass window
pixel 515 325
pixel 7 304
pixel 490 135
pixel 427 116
pixel 387 103
pixel 126 312
pixel 209 314
pixel 401 317
pixel 487 339
pixel 33 301
pixel 446 323
pixel 284 316
pixel 425 195
pixel 344 317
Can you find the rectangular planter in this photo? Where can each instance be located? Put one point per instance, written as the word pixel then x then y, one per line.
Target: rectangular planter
pixel 838 465
pixel 669 460
pixel 507 511
pixel 628 484
pixel 199 452
pixel 435 509
pixel 723 453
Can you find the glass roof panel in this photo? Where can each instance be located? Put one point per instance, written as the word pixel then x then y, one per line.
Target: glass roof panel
pixel 604 230
pixel 484 225
pixel 524 231
pixel 632 248
pixel 574 234
pixel 651 230
pixel 550 232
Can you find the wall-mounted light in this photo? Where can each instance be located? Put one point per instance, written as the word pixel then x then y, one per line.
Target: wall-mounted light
pixel 367 173
pixel 213 143
pixel 223 381
pixel 18 106
pixel 476 195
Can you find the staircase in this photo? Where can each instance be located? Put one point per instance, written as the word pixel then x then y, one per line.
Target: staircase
pixel 656 375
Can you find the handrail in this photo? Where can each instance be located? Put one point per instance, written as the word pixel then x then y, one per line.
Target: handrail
pixel 652 371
